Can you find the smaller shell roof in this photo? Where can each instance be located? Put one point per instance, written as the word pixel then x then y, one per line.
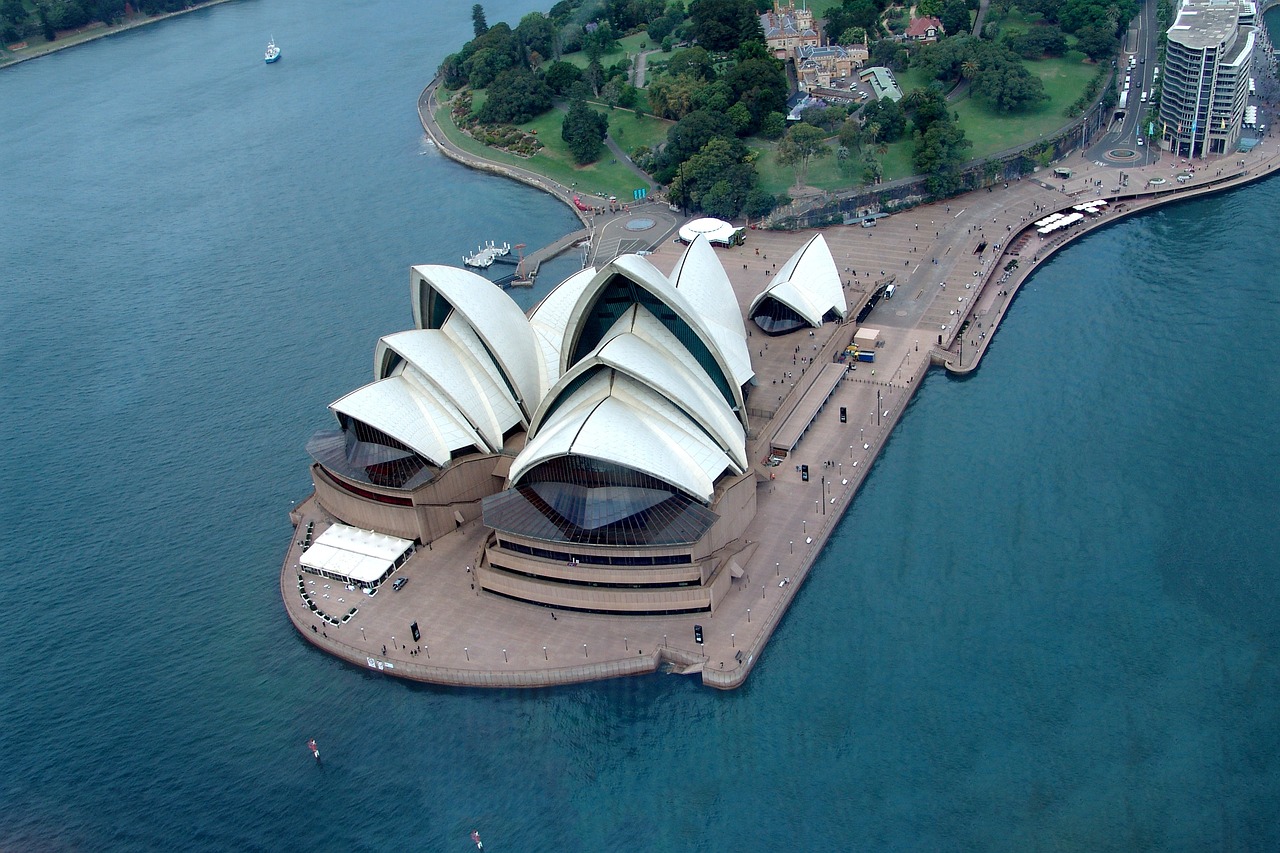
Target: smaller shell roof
pixel 551 318
pixel 615 419
pixel 494 316
pixel 715 230
pixel 412 414
pixel 808 283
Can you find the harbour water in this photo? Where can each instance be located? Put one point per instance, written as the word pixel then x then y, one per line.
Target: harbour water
pixel 1048 622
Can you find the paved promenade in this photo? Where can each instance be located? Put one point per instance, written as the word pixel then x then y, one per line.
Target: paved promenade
pixel 942 283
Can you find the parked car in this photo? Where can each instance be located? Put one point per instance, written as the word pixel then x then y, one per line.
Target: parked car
pixel 399 584
pixel 697 634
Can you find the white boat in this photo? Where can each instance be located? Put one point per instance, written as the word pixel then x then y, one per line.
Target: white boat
pixel 273 52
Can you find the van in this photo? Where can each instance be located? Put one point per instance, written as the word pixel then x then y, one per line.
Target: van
pixel 888 291
pixel 1144 97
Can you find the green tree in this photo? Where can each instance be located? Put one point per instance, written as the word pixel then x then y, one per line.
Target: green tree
pixel 561 75
pixel 484 65
pixel 1009 86
pixel 721 25
pixel 929 8
pixel 14 12
pixel 799 146
pixel 761 86
pixel 583 130
pixel 758 203
pixel 955 17
pixel 872 171
pixel 694 62
pixel 887 116
pixel 773 126
pixel 690 135
pixel 516 95
pixel 1096 42
pixel 939 154
pixel 478 23
pixel 854 35
pixel 537 34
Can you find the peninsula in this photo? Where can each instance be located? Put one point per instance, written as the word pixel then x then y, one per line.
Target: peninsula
pixel 600 488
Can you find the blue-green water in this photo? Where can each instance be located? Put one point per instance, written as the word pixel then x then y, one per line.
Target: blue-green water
pixel 1049 621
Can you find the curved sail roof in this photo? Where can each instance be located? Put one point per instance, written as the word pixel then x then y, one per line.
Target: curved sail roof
pixel 550 319
pixel 440 293
pixel 472 384
pixel 641 348
pixel 629 279
pixel 700 276
pixel 808 283
pixel 613 418
pixel 412 414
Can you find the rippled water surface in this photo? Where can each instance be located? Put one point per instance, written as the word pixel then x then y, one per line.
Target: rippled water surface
pixel 1049 621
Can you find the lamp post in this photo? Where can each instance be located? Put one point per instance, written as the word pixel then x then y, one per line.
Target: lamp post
pixel 791 546
pixel 748 614
pixel 466 651
pixel 851 447
pixel 777 570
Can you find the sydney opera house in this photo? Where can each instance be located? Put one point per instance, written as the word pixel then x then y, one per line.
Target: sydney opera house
pixel 601 441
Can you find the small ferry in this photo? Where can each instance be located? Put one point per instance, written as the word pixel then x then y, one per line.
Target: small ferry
pixel 273 52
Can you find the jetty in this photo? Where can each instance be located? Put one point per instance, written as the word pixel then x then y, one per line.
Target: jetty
pixel 484 257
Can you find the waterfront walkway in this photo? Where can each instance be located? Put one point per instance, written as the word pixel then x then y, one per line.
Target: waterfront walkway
pixel 943 285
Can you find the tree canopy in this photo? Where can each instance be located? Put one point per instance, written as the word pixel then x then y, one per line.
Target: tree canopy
pixel 583 130
pixel 516 95
pixel 721 25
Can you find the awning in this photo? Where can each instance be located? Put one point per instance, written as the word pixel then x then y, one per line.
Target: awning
pixel 457 516
pixel 360 556
pixel 735 571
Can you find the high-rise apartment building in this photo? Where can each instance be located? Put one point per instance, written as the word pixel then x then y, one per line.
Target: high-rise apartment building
pixel 1206 77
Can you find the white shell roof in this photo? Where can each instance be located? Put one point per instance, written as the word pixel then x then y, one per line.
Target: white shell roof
pixel 700 276
pixel 729 350
pixel 496 319
pixel 613 418
pixel 808 283
pixel 412 413
pixel 453 372
pixel 550 319
pixel 640 347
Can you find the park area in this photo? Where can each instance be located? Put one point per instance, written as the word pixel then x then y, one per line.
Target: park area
pixel 606 177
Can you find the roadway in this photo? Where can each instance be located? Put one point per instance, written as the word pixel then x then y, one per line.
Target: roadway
pixel 1125 143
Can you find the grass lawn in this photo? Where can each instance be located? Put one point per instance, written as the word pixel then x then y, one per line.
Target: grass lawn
pixel 630 132
pixel 604 177
pixel 912 78
pixel 628 46
pixel 824 172
pixel 990 131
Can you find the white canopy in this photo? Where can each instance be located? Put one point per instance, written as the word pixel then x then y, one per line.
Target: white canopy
pixel 362 557
pixel 717 231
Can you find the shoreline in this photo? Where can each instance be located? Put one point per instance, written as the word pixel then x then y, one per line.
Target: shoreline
pixel 100 31
pixel 586 645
